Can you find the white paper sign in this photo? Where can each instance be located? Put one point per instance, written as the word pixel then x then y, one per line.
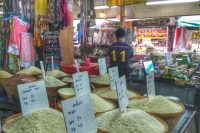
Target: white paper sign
pixel 42 69
pixel 79 115
pixel 102 66
pixel 81 83
pixel 122 94
pixel 150 85
pixel 33 97
pixel 77 65
pixel 114 76
pixel 168 59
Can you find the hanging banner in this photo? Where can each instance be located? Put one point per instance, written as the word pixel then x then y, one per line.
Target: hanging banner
pixel 123 2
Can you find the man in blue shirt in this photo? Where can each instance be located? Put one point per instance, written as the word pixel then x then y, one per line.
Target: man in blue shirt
pixel 121 53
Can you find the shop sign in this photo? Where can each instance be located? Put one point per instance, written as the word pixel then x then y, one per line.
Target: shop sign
pixel 123 2
pixel 81 83
pixel 102 66
pixel 150 85
pixel 122 94
pixel 33 97
pixel 79 115
pixel 196 35
pixel 114 76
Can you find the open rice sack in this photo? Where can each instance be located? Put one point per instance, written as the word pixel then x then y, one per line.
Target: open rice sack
pixel 57 74
pixel 32 71
pixel 100 81
pixel 10 84
pixel 99 105
pixel 5 74
pixel 109 94
pixel 162 107
pixel 133 121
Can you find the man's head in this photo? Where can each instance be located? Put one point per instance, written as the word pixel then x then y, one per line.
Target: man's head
pixel 120 34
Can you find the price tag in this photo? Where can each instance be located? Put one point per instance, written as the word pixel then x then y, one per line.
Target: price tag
pixel 150 85
pixel 102 66
pixel 33 97
pixel 79 115
pixel 122 94
pixel 42 68
pixel 168 59
pixel 81 83
pixel 77 65
pixel 114 76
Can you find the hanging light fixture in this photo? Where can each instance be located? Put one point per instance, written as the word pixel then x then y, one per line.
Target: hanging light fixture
pixel 160 2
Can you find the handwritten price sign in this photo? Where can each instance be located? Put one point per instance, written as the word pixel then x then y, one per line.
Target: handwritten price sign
pixel 33 97
pixel 81 83
pixel 150 85
pixel 79 115
pixel 114 76
pixel 122 94
pixel 102 66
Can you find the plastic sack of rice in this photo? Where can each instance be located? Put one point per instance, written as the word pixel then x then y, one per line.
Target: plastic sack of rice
pixel 133 121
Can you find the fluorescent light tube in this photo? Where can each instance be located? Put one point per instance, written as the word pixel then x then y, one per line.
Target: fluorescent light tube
pixel 104 7
pixel 101 7
pixel 169 2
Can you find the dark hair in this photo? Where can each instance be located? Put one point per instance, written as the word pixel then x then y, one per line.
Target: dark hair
pixel 120 33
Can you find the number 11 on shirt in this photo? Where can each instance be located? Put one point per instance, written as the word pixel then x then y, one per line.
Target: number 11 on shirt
pixel 123 55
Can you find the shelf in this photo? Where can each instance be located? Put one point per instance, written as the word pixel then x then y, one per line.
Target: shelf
pixel 151 33
pixel 159 38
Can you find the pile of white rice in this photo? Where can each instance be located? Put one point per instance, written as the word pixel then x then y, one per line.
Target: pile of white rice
pixel 43 121
pixel 157 104
pixel 53 82
pixel 56 73
pixel 134 121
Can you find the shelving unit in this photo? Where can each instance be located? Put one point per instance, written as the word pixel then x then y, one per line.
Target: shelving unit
pixel 158 36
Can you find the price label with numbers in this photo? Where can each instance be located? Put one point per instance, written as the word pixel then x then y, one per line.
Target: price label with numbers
pixel 33 97
pixel 79 115
pixel 122 94
pixel 102 66
pixel 114 76
pixel 150 85
pixel 81 83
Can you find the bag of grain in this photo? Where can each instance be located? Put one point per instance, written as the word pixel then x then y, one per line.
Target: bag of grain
pixel 100 81
pixel 109 94
pixel 52 85
pixel 4 74
pixel 10 84
pixel 43 121
pixel 160 106
pixel 133 121
pixel 99 105
pixel 57 74
pixel 32 71
pixel 67 80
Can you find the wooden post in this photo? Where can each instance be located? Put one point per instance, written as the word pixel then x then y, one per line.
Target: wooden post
pixel 122 14
pixel 66 43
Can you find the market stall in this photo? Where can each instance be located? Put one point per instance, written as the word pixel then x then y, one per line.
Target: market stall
pixel 57 76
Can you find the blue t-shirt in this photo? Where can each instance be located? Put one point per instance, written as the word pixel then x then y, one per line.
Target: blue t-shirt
pixel 120 55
